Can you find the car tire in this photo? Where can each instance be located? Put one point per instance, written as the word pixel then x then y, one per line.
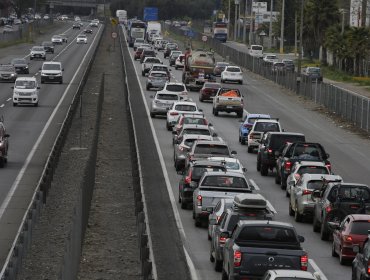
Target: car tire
pixel 184 205
pixel 44 58
pixel 176 67
pixel 2 163
pixel 297 216
pixel 152 115
pixel 197 222
pixel 211 258
pixel 291 212
pixel 216 112
pixel 201 98
pixel 31 58
pixel 239 114
pixel 242 140
pixel 277 178
pixel 258 165
pixel 342 260
pixel 15 104
pixel 264 170
pixel 333 253
pixel 224 275
pixel 222 81
pixel 241 82
pixel 250 150
pixel 168 126
pixel 324 234
pixel 147 87
pixel 27 72
pixel 42 81
pixel 36 104
pixel 282 185
pixel 61 82
pixel 315 223
pixel 143 73
pixel 218 265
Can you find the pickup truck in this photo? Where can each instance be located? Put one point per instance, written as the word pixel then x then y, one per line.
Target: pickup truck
pixel 297 151
pixel 228 100
pixel 255 247
pixel 259 128
pixel 212 187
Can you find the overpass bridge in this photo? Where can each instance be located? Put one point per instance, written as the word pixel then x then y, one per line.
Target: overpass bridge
pixel 64 6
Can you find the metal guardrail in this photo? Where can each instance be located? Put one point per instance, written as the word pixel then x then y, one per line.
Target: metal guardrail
pixel 350 106
pixel 23 238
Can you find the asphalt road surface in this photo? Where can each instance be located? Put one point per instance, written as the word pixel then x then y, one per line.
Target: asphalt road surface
pixel 349 154
pixel 33 129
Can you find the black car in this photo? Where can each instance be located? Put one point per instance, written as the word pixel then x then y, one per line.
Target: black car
pixel 76 26
pixel 270 144
pixel 88 31
pixel 170 47
pixel 190 179
pixel 48 46
pixel 20 65
pixel 361 264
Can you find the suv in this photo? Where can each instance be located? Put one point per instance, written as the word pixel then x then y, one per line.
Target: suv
pixel 314 74
pixel 148 63
pixel 26 91
pixel 52 71
pixel 48 46
pixel 4 144
pixel 170 47
pixel 247 123
pixel 360 265
pixel 259 127
pixel 146 53
pixel 38 52
pixel 191 176
pixel 76 25
pixel 270 144
pixel 57 40
pixel 7 73
pixel 334 201
pixel 20 65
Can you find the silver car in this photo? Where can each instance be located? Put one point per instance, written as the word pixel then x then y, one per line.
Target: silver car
pixel 301 204
pixel 156 79
pixel 148 63
pixel 161 102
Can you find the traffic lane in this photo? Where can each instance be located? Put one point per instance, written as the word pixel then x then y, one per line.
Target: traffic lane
pixel 195 237
pixel 34 131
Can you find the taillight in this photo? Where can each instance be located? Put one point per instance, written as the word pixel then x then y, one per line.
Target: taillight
pixel 368 267
pixel 328 209
pixel 288 166
pixel 328 165
pixel 269 151
pixel 237 258
pixel 306 192
pixel 174 113
pixel 304 262
pixel 218 218
pixel 187 180
pixel 348 238
pixel 199 200
pixel 222 239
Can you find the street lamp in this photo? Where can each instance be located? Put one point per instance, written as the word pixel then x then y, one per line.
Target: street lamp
pixel 282 28
pixel 270 27
pixel 299 66
pixel 228 20
pixel 343 12
pixel 237 2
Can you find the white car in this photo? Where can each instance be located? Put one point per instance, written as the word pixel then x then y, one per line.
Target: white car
pixel 52 71
pixel 232 164
pixel 301 167
pixel 138 42
pixel 26 91
pixel 232 74
pixel 147 64
pixel 270 58
pixel 259 127
pixel 180 60
pixel 81 39
pixel 94 23
pixel 178 108
pixel 178 88
pixel 57 40
pixel 64 17
pixel 290 274
pixel 46 17
pixel 38 52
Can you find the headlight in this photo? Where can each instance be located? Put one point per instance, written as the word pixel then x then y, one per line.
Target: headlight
pixel 16 93
pixel 26 66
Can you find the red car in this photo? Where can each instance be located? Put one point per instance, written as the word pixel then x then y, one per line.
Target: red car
pixel 138 53
pixel 219 67
pixel 353 230
pixel 208 91
pixel 190 119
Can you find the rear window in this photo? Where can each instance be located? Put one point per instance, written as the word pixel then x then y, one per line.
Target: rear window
pixel 257 48
pixel 167 96
pixel 253 120
pixel 223 181
pixel 353 192
pixel 176 88
pixel 313 170
pixel 279 140
pixel 195 121
pixel 160 68
pixel 163 75
pixel 149 53
pixel 360 227
pixel 233 69
pixel 152 60
pixel 245 215
pixel 198 171
pixel 307 151
pixel 211 149
pixel 314 185
pixel 196 131
pixel 209 85
pixel 266 126
pixel 187 108
pixel 267 234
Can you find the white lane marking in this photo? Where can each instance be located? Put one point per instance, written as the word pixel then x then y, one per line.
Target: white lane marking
pixel 9 99
pixel 166 177
pixel 35 147
pixel 253 183
pixel 192 269
pixel 271 207
pixel 317 269
pixel 2 105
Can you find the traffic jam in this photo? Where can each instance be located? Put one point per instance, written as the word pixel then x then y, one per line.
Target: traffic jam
pixel 194 99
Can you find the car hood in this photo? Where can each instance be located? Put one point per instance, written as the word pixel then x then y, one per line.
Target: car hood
pixel 25 90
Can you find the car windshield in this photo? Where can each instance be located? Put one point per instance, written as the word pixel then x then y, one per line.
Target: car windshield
pixel 212 149
pixel 279 64
pixel 198 171
pixel 314 185
pixel 233 69
pixel 25 84
pixel 176 88
pixel 257 48
pixel 47 43
pixel 360 227
pixel 196 131
pixel 280 140
pixel 57 37
pixel 200 121
pixel 48 66
pixel 271 56
pixel 19 61
pixel 160 68
pixel 222 64
pixel 225 181
pixel 212 85
pixel 39 49
pixel 171 46
pixel 314 70
pixel 354 192
pixel 288 62
pixel 7 68
pixel 267 234
pixel 176 54
pixel 266 126
pixel 307 151
pixel 81 36
pixel 184 107
pixel 232 165
pixel 313 170
pixel 167 96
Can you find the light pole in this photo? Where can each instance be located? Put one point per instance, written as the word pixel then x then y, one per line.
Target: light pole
pixel 343 12
pixel 282 28
pixel 270 26
pixel 251 26
pixel 228 20
pixel 299 66
pixel 237 2
pixel 244 21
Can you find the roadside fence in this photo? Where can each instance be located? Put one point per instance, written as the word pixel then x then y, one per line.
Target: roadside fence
pixel 350 106
pixel 24 31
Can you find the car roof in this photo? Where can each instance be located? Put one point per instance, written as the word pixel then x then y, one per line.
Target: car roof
pixel 292 273
pixel 174 83
pixel 52 62
pixel 267 120
pixel 200 126
pixel 185 103
pixel 213 142
pixel 284 133
pixel 164 92
pixel 189 115
pixel 223 173
pixel 208 162
pixel 310 163
pixel 26 79
pixel 197 136
pixel 265 222
pixel 258 116
pixel 227 159
pixel 159 64
pixel 310 177
pixel 360 217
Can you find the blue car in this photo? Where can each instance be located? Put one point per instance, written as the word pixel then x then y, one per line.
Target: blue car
pixel 246 125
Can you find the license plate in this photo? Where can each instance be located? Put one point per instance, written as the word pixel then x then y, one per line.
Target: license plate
pixel 229 107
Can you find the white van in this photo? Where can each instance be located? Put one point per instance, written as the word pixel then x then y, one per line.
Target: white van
pixel 256 51
pixel 52 71
pixel 26 91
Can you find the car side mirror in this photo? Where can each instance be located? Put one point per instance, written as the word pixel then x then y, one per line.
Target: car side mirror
pixel 315 194
pixel 167 109
pixel 300 238
pixel 333 225
pixel 12 87
pixel 244 169
pixel 170 69
pixel 63 69
pixel 215 135
pixel 234 153
pixel 38 87
pixel 200 110
pixel 327 155
pixel 277 154
pixel 6 135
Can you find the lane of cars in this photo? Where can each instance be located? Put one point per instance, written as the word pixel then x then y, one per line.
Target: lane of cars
pixel 260 143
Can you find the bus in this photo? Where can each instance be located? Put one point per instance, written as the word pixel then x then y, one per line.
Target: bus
pixel 136 30
pixel 219 31
pixel 256 50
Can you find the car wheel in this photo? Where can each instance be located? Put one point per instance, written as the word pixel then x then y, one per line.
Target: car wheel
pixel 222 81
pixel 291 212
pixel 324 234
pixel 211 258
pixel 216 112
pixel 297 216
pixel 264 170
pixel 168 126
pixel 42 81
pixel 179 199
pixel 197 222
pixel 282 184
pixel 241 82
pixel 27 72
pixel 147 87
pixel 250 149
pixel 258 164
pixel 200 98
pixel 176 67
pixel 61 82
pixel 342 260
pixel 218 265
pixel 31 58
pixel 277 178
pixel 287 194
pixel 239 114
pixel 36 104
pixel 143 73
pixel 184 205
pixel 152 115
pixel 224 275
pixel 15 104
pixel 315 223
pixel 2 163
pixel 333 253
pixel 44 58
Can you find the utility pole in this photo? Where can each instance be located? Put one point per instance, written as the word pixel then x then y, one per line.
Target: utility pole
pixel 363 13
pixel 251 25
pixel 299 67
pixel 282 28
pixel 244 22
pixel 228 20
pixel 270 27
pixel 295 33
pixel 235 27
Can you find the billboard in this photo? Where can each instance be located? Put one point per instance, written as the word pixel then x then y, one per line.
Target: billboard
pixel 150 13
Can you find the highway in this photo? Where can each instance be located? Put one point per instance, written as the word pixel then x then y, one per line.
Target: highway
pixel 349 154
pixel 33 129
